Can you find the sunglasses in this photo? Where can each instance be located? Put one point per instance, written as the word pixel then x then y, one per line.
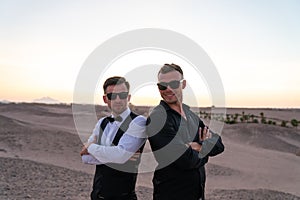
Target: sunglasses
pixel 113 96
pixel 172 84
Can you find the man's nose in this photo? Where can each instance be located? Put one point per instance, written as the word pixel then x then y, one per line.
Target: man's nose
pixel 169 88
pixel 118 98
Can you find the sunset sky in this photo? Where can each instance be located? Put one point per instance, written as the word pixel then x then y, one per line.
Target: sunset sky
pixel 254 44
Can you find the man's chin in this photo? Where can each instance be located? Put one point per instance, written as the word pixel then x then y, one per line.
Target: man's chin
pixel 118 110
pixel 170 101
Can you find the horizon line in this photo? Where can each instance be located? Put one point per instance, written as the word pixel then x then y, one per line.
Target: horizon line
pixel 90 104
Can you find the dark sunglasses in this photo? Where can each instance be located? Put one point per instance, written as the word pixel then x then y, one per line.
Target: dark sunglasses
pixel 172 84
pixel 113 96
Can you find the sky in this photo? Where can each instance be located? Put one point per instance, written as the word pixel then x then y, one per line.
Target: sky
pixel 254 45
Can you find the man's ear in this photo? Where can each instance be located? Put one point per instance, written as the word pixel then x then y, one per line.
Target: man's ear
pixel 105 98
pixel 129 97
pixel 183 84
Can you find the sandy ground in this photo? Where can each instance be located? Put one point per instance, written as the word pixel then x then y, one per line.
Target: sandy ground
pixel 39 156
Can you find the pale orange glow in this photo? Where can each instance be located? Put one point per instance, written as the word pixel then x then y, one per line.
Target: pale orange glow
pixel 256 54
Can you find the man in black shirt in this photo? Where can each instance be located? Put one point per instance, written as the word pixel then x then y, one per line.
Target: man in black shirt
pixel 180 141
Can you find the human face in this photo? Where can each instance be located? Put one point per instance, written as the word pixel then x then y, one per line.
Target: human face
pixel 117 105
pixel 170 95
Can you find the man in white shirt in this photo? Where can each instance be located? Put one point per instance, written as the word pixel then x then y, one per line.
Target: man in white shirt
pixel 113 144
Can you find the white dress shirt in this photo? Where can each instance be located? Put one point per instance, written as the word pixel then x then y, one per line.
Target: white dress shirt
pixel 129 143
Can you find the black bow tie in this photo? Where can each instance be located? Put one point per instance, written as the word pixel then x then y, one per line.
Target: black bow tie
pixel 111 119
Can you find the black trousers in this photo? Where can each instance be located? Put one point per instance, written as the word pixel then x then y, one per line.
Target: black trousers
pixel 131 196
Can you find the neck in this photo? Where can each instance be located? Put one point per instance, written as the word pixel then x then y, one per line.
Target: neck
pixel 178 108
pixel 117 113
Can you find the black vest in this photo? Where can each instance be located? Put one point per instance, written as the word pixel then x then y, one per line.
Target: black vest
pixel 111 179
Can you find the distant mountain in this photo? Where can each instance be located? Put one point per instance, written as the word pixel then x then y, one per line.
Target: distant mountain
pixel 47 100
pixel 4 101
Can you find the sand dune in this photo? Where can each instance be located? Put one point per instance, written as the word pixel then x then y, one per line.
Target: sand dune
pixel 25 179
pixel 39 156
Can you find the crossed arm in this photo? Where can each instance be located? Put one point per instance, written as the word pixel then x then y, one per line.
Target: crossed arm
pixel 129 144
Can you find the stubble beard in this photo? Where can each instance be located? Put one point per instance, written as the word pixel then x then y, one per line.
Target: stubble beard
pixel 118 109
pixel 177 99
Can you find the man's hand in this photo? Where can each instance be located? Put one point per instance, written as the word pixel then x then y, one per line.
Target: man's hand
pixel 135 156
pixel 195 146
pixel 84 150
pixel 205 134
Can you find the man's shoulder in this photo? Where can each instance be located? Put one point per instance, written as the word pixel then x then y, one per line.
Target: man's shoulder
pixel 139 118
pixel 160 108
pixel 187 108
pixel 157 118
pixel 100 120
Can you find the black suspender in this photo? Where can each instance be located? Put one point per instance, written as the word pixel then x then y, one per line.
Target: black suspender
pixel 122 129
pixel 102 127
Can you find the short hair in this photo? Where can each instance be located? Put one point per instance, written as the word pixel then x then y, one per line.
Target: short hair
pixel 169 68
pixel 115 80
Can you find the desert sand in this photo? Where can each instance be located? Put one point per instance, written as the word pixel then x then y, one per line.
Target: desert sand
pixel 39 156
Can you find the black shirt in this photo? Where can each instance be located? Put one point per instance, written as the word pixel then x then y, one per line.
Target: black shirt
pixel 177 174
